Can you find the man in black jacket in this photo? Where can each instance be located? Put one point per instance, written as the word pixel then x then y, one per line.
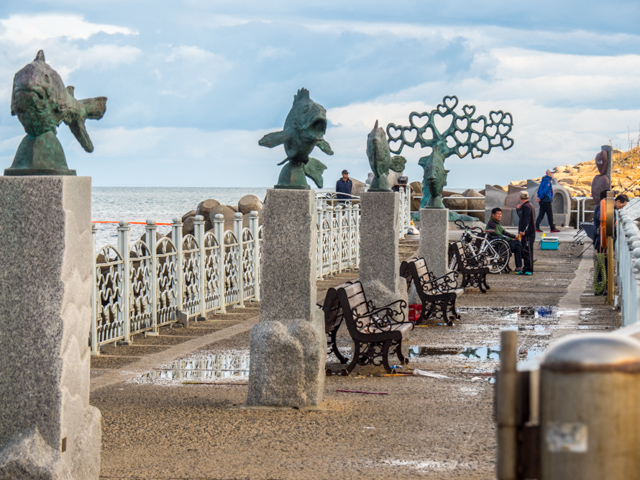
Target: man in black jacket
pixel 527 232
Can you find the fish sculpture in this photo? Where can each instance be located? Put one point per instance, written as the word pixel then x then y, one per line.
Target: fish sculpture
pixel 304 129
pixel 381 160
pixel 41 102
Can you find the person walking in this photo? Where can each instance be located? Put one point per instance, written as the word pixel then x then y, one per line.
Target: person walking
pixel 344 186
pixel 545 198
pixel 527 233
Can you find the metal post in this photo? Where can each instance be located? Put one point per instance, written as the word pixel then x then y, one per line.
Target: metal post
pixel 150 240
pixel 237 230
pixel 339 217
pixel 330 222
pixel 198 230
pixel 254 227
pixel 176 237
pixel 123 248
pixel 357 227
pixel 218 230
pixel 94 295
pixel 506 407
pixel 319 245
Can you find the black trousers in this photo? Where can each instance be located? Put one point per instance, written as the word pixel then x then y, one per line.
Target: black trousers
pixel 545 208
pixel 516 249
pixel 527 251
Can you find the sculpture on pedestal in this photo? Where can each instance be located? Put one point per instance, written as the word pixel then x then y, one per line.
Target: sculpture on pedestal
pixel 446 132
pixel 304 129
pixel 602 181
pixel 381 161
pixel 41 102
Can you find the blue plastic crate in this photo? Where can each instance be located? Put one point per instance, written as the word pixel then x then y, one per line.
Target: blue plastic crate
pixel 549 243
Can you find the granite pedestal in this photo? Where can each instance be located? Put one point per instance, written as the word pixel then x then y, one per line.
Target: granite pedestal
pixel 288 346
pixel 47 427
pixel 379 244
pixel 434 239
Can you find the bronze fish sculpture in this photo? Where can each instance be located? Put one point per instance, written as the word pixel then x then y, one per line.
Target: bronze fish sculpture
pixel 304 129
pixel 41 103
pixel 381 160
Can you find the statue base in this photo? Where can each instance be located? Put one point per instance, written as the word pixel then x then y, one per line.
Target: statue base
pixel 40 155
pixel 292 177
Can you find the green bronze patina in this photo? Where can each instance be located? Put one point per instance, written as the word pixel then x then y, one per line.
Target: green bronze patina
pixel 304 129
pixel 381 161
pixel 41 102
pixel 462 134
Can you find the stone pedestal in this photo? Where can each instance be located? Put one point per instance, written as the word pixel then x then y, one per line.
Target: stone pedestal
pixel 434 239
pixel 379 244
pixel 47 427
pixel 288 346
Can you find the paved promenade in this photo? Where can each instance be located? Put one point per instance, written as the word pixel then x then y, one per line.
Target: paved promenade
pixel 423 428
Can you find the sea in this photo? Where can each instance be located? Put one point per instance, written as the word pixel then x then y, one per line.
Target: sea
pixel 160 204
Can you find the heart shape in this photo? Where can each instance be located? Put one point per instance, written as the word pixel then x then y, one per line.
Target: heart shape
pixel 441 122
pixel 480 124
pixel 475 153
pixel 483 145
pixel 442 108
pixel 507 143
pixel 469 110
pixel 461 137
pixel 491 130
pixel 462 123
pixel 474 137
pixel 496 117
pixel 495 141
pixel 427 134
pixel 462 150
pixel 450 102
pixel 409 136
pixel 504 129
pixel 395 146
pixel 393 131
pixel 419 120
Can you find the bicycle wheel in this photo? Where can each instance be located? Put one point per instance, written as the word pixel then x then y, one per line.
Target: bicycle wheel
pixel 498 253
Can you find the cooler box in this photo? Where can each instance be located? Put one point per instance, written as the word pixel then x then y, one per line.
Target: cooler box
pixel 549 243
pixel 414 312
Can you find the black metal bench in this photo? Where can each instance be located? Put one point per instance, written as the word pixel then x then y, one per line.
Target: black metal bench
pixel 437 294
pixel 376 332
pixel 333 318
pixel 473 268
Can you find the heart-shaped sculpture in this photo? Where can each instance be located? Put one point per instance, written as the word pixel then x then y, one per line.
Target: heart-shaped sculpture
pixel 461 137
pixel 462 150
pixel 491 130
pixel 507 143
pixel 394 132
pixel 480 124
pixel 441 122
pixel 507 120
pixel 450 102
pixel 462 123
pixel 419 120
pixel 409 136
pixel 496 117
pixel 469 110
pixel 504 129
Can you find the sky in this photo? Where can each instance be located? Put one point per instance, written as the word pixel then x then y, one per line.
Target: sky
pixel 192 85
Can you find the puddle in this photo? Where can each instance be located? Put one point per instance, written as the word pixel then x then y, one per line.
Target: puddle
pixel 513 313
pixel 215 368
pixel 421 351
pixel 476 354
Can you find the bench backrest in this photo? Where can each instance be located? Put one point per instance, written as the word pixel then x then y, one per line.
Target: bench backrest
pixel 353 300
pixel 332 308
pixel 417 269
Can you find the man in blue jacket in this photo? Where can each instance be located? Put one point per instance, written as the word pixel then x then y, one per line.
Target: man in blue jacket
pixel 545 198
pixel 344 186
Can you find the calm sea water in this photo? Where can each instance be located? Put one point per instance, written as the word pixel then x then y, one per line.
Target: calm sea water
pixel 161 204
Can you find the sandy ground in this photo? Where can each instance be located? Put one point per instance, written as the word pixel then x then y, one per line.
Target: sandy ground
pixel 423 428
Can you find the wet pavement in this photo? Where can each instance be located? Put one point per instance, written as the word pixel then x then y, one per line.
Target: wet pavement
pixel 172 405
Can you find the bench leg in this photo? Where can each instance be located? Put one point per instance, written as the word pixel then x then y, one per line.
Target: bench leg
pixel 334 347
pixel 484 280
pixel 355 359
pixel 385 356
pixel 403 360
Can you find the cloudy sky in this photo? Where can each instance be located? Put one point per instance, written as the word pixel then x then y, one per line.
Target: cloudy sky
pixel 194 84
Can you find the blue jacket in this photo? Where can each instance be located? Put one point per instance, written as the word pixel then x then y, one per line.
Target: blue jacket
pixel 545 191
pixel 343 187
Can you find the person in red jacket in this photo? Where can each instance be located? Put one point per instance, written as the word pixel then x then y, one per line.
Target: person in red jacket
pixel 527 232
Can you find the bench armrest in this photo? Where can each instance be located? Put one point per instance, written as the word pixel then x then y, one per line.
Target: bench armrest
pixel 443 284
pixel 383 318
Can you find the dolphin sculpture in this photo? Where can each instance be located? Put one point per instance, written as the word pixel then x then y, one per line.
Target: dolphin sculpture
pixel 41 102
pixel 381 161
pixel 304 129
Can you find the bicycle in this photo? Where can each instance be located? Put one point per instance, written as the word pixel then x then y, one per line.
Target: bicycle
pixel 496 250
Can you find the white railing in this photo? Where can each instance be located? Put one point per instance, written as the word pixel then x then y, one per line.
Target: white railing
pixel 627 251
pixel 166 278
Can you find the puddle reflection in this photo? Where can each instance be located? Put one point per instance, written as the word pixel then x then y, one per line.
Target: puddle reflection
pixel 479 354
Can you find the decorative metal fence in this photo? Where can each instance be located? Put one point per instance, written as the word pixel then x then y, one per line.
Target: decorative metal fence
pixel 153 282
pixel 627 250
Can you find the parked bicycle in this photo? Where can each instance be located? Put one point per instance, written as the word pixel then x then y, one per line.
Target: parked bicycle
pixel 496 250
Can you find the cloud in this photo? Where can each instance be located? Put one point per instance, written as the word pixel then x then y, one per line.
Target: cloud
pixel 25 29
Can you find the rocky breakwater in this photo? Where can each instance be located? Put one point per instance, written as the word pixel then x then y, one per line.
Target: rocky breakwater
pixel 210 208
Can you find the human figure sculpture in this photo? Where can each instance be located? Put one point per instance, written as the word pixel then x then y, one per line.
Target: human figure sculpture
pixel 41 103
pixel 460 134
pixel 381 161
pixel 601 182
pixel 304 129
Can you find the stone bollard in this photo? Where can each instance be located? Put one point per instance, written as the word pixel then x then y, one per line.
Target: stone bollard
pixel 434 239
pixel 47 427
pixel 379 245
pixel 288 346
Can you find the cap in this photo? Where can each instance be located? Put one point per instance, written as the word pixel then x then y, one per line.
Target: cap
pixel 550 172
pixel 344 171
pixel 524 194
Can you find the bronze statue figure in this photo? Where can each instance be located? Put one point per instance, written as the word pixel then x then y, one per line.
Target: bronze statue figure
pixel 462 134
pixel 41 102
pixel 304 129
pixel 381 161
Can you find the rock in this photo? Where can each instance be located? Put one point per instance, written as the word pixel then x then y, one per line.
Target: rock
pixel 188 225
pixel 227 212
pixel 416 190
pixel 191 213
pixel 204 208
pixel 357 188
pixel 474 204
pixel 452 204
pixel 248 204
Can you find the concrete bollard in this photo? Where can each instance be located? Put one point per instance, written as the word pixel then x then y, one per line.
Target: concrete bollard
pixel 590 413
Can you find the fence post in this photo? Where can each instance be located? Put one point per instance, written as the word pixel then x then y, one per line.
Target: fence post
pixel 123 248
pixel 198 230
pixel 356 218
pixel 237 230
pixel 319 244
pixel 218 230
pixel 339 216
pixel 254 227
pixel 176 237
pixel 349 215
pixel 94 295
pixel 150 240
pixel 329 213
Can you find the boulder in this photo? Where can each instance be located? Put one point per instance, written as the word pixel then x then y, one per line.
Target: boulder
pixel 416 195
pixel 188 225
pixel 227 212
pixel 190 213
pixel 454 202
pixel 474 204
pixel 357 188
pixel 204 208
pixel 248 204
